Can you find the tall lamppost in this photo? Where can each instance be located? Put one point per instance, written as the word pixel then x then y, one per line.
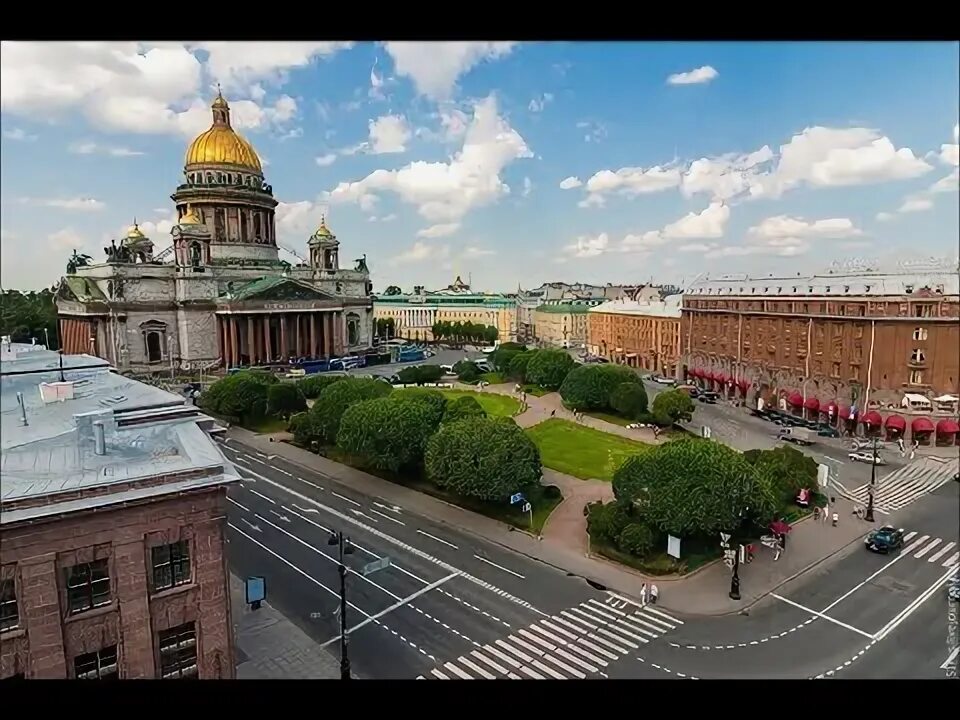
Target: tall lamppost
pixel 873 479
pixel 345 548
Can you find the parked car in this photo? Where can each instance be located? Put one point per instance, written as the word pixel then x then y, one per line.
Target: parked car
pixel 867 457
pixel 828 431
pixel 661 380
pixel 953 591
pixel 884 539
pixel 797 435
pixel 709 397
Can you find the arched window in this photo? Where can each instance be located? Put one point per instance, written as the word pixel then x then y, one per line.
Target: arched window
pixel 154 334
pixel 353 329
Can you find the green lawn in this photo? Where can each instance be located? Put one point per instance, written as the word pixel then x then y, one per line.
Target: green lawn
pixel 494 378
pixel 268 425
pixel 494 404
pixel 581 451
pixel 536 390
pixel 609 417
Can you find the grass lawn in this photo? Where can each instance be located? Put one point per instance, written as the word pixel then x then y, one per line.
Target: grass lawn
pixel 535 390
pixel 268 425
pixel 581 451
pixel 495 405
pixel 494 378
pixel 608 417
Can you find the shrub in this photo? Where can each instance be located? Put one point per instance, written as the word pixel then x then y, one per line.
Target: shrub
pixel 463 407
pixel 284 399
pixel 328 410
pixel 605 522
pixel 302 429
pixel 434 398
pixel 466 371
pixel 636 539
pixel 589 387
pixel 242 395
pixel 388 432
pixel 671 406
pixel 519 364
pixel 312 385
pixel 549 368
pixel 504 354
pixel 629 400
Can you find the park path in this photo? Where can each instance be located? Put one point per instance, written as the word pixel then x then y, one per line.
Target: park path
pixel 567 525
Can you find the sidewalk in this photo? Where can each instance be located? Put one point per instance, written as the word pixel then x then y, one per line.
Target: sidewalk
pixel 270 647
pixel 702 593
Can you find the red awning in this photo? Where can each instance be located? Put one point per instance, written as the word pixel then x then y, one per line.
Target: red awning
pixel 707 375
pixel 830 408
pixel 743 383
pixel 895 422
pixel 720 377
pixel 872 418
pixel 922 425
pixel 795 399
pixel 811 403
pixel 843 412
pixel 947 427
pixel 693 372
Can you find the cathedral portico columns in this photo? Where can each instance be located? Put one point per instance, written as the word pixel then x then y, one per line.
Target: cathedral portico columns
pixel 251 342
pixel 234 350
pixel 267 349
pixel 327 334
pixel 284 348
pixel 314 348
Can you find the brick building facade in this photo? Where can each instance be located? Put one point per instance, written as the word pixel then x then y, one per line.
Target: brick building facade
pixel 112 559
pixel 643 335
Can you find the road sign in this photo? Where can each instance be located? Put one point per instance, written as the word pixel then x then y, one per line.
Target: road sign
pixel 705 432
pixel 372 567
pixel 724 539
pixel 673 546
pixel 526 507
pixel 515 498
pixel 728 557
pixel 256 591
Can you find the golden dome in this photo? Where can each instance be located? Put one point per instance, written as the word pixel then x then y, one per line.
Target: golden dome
pixel 190 217
pixel 323 231
pixel 134 233
pixel 221 145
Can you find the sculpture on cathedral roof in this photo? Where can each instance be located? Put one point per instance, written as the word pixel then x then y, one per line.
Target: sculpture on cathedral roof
pixel 362 264
pixel 77 260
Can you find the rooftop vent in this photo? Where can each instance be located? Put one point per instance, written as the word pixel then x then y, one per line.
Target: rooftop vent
pixel 113 400
pixel 56 391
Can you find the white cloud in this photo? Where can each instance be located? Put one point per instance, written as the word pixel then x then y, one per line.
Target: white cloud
pixel 701 75
pixel 724 177
pixel 325 160
pixel 434 67
pixel 950 154
pixel 389 134
pixel 238 64
pixel 446 192
pixel 695 247
pixel 630 181
pixel 18 134
pixel 916 204
pixel 948 183
pixel 91 148
pixel 84 204
pixel 538 103
pixel 472 252
pixel 709 223
pixel 527 187
pixel 442 230
pixel 67 239
pixel 885 216
pixel 570 183
pixel 376 83
pixel 587 246
pixel 592 201
pixel 422 251
pixel 596 131
pixel 782 226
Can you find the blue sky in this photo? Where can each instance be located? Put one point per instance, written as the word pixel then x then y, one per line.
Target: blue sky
pixel 511 162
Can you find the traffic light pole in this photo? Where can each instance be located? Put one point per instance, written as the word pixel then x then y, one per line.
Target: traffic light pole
pixel 342 545
pixel 873 479
pixel 735 578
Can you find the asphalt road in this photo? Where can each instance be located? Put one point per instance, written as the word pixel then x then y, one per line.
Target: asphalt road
pixel 443 357
pixel 887 616
pixel 447 604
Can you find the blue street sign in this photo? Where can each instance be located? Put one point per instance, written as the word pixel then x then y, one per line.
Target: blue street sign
pixel 516 498
pixel 256 588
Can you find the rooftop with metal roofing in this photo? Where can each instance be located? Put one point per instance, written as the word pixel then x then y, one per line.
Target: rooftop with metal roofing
pixel 92 439
pixel 668 308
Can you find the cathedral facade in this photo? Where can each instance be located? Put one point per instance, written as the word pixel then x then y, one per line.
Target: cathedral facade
pixel 219 296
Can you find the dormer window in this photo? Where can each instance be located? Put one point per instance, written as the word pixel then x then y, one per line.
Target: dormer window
pixel 779 290
pixel 908 289
pixel 753 291
pixel 741 291
pixel 940 289
pixel 866 288
pixel 766 289
pixel 846 288
pixel 810 289
pixel 794 289
pixel 827 289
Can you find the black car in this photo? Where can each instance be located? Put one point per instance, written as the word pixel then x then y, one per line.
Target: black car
pixel 709 397
pixel 827 431
pixel 885 539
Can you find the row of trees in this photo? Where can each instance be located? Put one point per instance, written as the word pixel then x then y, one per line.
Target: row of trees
pixel 252 395
pixel 461 332
pixel 694 489
pixel 29 316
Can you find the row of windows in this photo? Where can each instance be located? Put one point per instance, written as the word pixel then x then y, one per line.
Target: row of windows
pixel 178 657
pixel 810 289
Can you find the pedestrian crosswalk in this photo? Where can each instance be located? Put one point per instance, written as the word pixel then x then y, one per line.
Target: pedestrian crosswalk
pixel 931 549
pixel 576 643
pixel 905 485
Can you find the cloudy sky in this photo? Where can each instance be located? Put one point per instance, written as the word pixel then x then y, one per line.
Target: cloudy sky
pixel 513 162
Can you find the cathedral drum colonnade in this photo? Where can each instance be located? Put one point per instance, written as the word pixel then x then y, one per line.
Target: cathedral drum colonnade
pixel 220 295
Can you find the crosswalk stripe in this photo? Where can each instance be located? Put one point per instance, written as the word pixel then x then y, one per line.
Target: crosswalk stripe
pixel 916 544
pixel 563 666
pixel 909 536
pixel 477 669
pixel 952 560
pixel 457 671
pixel 549 671
pixel 557 628
pixel 569 624
pixel 655 622
pixel 546 633
pixel 928 547
pixel 484 659
pixel 587 654
pixel 941 552
pixel 436 673
pixel 577 661
pixel 635 621
pixel 420 677
pixel 664 615
pixel 579 620
pixel 611 608
pixel 618 638
pixel 531 673
pixel 591 618
pixel 630 629
pixel 525 645
pixel 538 640
pixel 500 656
pixel 509 648
pixel 597 648
pixel 597 611
pixel 594 636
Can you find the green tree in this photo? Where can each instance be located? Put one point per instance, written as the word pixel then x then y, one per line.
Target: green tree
pixel 466 371
pixel 420 374
pixel 788 470
pixel 504 355
pixel 629 400
pixel 590 387
pixel 240 398
pixel 484 458
pixel 693 487
pixel 25 316
pixel 463 407
pixel 312 385
pixel 636 539
pixel 328 410
pixel 606 521
pixel 671 406
pixel 490 334
pixel 285 399
pixel 520 363
pixel 302 428
pixel 549 368
pixel 388 432
pixel 434 398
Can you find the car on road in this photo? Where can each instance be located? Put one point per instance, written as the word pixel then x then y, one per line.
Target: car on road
pixel 828 431
pixel 867 457
pixel 797 435
pixel 953 591
pixel 661 380
pixel 709 397
pixel 884 539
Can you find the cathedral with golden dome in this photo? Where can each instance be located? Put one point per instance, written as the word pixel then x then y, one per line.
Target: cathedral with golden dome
pixel 219 296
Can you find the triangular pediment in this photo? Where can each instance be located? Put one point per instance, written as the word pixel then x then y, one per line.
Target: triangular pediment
pixel 275 289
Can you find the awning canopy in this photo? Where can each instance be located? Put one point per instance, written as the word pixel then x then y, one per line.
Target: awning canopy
pixel 895 422
pixel 811 403
pixel 947 427
pixel 720 377
pixel 743 383
pixel 872 418
pixel 795 399
pixel 922 425
pixel 830 408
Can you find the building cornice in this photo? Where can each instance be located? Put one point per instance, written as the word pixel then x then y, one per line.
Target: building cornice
pixel 811 316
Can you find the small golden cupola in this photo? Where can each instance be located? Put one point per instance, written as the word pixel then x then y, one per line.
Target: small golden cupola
pixel 324 248
pixel 221 145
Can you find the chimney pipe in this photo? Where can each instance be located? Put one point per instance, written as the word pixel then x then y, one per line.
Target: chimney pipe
pixel 99 439
pixel 23 409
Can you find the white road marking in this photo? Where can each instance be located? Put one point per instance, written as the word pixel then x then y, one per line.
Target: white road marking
pixel 499 567
pixel 592 618
pixel 437 674
pixel 912 607
pixel 596 648
pixel 952 560
pixel 548 670
pixel 916 544
pixel 509 648
pixel 635 622
pixel 388 517
pixel 859 585
pixel 577 661
pixel 821 615
pixel 391 508
pixel 601 606
pixel 557 628
pixel 928 548
pixel 525 645
pixel 557 640
pixel 622 651
pixel 476 668
pixel 261 495
pixel 909 536
pixel 253 527
pixel 242 507
pixel 941 552
pixel 499 655
pixel 433 537
pixel 597 611
pixel 531 673
pixel 282 517
pixel 575 619
pixel 566 668
pixel 483 658
pixel 619 638
pixel 360 513
pixel 620 627
pixel 951 659
pixel 336 494
pixel 664 615
pixel 656 623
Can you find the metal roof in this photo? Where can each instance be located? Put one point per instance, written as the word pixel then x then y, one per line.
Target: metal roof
pixel 669 308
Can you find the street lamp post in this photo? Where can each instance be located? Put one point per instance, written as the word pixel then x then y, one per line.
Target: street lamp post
pixel 873 479
pixel 735 578
pixel 345 548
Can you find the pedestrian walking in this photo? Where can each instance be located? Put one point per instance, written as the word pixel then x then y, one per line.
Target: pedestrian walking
pixel 643 594
pixel 903 450
pixel 553 413
pixel 836 519
pixel 654 594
